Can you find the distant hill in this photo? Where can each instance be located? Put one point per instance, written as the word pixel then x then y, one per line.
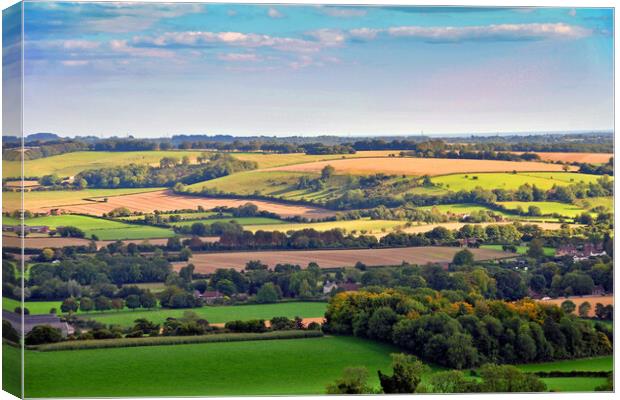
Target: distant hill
pixel 42 136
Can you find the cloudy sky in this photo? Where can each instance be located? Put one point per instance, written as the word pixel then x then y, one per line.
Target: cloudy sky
pixel 155 70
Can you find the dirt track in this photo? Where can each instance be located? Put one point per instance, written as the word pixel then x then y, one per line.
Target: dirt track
pixel 419 166
pixel 209 262
pixel 165 200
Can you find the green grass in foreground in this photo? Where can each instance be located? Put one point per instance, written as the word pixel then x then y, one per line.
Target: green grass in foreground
pixel 217 314
pixel 35 307
pixel 604 363
pixel 11 370
pixel 271 367
pixel 103 228
pixel 292 366
pixel 549 251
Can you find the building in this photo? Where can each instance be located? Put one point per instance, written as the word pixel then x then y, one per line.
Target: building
pixel 328 287
pixel 208 296
pixel 32 320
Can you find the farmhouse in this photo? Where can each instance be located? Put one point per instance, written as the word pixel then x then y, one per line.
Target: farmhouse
pixel 208 296
pixel 328 287
pixel 588 250
pixel 30 321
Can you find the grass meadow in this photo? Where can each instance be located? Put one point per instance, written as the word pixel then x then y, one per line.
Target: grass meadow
pixel 549 251
pixel 546 207
pixel 103 228
pixel 509 181
pixel 215 314
pixel 241 221
pixel 268 367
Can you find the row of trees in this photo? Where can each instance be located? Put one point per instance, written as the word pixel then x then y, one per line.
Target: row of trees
pixel 171 172
pixel 464 334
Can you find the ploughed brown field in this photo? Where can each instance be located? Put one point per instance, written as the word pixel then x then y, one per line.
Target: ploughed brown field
pixel 578 300
pixel 420 166
pixel 58 242
pixel 209 262
pixel 591 158
pixel 166 200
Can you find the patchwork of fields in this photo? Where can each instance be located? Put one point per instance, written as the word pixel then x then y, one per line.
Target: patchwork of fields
pixel 420 166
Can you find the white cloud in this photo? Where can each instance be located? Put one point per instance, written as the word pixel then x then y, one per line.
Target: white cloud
pixel 74 63
pixel 238 39
pixel 364 33
pixel 80 44
pixel 274 13
pixel 344 12
pixel 328 37
pixel 236 57
pixel 504 32
pixel 123 47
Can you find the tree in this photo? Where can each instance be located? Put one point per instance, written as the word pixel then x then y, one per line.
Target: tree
pixel 406 377
pixel 47 254
pixel 463 257
pixel 584 309
pixel 148 300
pixel 69 305
pixel 226 287
pixel 354 380
pixel 86 304
pixel 133 301
pixel 102 303
pixel 451 382
pixel 8 332
pixel 267 294
pixel 508 378
pixel 535 249
pixel 568 306
pixel 327 172
pixel 381 323
pixel 117 304
pixel 43 334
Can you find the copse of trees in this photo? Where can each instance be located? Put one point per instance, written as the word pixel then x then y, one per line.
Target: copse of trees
pixel 170 172
pixel 469 333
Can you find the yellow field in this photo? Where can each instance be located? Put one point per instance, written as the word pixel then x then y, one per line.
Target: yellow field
pixel 419 166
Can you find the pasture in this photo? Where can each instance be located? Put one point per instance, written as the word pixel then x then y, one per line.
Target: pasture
pixel 419 166
pixel 209 262
pixel 572 384
pixel 104 229
pixel 69 164
pixel 510 181
pixel 549 251
pixel 546 207
pixel 266 367
pixel 591 202
pixel 216 314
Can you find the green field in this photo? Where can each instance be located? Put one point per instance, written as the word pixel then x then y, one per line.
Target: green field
pixel 103 228
pixel 605 363
pixel 542 180
pixel 217 314
pixel 69 164
pixel 35 307
pixel 268 367
pixel 294 366
pixel 546 207
pixel 241 221
pixel 549 251
pixel 591 202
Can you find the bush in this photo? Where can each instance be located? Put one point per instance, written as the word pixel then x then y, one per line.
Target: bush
pixel 255 325
pixel 9 333
pixel 41 334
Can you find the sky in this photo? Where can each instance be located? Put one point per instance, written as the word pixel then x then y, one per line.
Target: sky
pixel 153 70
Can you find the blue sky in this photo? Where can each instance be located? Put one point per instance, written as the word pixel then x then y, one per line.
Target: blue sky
pixel 162 69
